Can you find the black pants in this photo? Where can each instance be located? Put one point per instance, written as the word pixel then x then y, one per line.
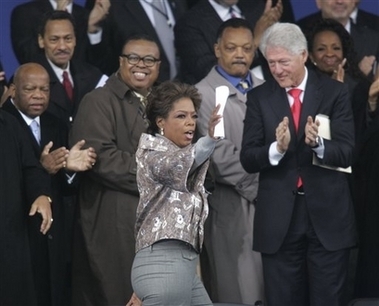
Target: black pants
pixel 303 272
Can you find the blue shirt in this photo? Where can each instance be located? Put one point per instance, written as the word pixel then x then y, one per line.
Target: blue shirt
pixel 236 81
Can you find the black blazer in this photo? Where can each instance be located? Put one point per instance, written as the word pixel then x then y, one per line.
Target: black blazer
pixel 85 77
pixel 366 19
pixel 25 22
pixel 327 192
pixel 127 18
pixel 51 250
pixel 22 180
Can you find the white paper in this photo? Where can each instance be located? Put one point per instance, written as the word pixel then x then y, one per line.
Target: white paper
pixel 324 132
pixel 221 97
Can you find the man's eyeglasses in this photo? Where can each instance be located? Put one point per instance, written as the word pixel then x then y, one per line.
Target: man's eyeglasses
pixel 133 59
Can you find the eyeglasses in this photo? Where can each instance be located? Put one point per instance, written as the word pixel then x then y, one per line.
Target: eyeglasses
pixel 133 59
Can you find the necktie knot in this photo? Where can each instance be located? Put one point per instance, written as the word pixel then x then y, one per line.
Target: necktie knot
pixel 244 85
pixel 232 13
pixel 67 85
pixel 295 93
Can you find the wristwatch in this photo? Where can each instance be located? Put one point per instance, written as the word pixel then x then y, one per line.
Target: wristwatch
pixel 318 142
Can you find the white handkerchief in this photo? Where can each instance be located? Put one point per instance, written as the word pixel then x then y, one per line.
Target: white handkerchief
pixel 222 94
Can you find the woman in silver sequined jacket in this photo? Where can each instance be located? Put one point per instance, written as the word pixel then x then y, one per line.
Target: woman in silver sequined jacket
pixel 173 201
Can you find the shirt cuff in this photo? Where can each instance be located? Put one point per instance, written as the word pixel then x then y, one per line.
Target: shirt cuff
pixel 95 38
pixel 274 155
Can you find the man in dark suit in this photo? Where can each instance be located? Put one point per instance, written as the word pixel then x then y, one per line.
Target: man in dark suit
pixel 365 19
pixel 24 189
pixel 196 31
pixel 50 255
pixel 304 221
pixel 25 20
pixel 57 39
pixel 366 40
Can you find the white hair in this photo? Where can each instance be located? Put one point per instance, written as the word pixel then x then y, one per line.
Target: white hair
pixel 284 35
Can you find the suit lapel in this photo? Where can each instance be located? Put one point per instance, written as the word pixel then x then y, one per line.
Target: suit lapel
pixel 10 108
pixel 135 9
pixel 311 101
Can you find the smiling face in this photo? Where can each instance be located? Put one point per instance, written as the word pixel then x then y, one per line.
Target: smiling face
pixel 139 77
pixel 327 52
pixel 287 69
pixel 235 51
pixel 31 90
pixel 58 42
pixel 180 124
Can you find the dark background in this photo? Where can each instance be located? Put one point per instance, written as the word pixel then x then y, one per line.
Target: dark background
pixel 301 8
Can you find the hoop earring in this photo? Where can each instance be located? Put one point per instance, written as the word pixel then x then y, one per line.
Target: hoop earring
pixel 161 131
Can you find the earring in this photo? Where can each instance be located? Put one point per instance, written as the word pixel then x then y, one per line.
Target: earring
pixel 314 63
pixel 161 131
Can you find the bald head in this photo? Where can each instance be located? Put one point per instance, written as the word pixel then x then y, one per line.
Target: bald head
pixel 31 89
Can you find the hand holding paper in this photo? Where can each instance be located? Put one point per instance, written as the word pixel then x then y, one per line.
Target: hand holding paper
pixel 221 97
pixel 324 132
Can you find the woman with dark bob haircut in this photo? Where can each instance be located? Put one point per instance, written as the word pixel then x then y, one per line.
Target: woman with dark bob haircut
pixel 173 201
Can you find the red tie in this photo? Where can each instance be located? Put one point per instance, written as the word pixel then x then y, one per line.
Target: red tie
pixel 296 106
pixel 67 85
pixel 296 110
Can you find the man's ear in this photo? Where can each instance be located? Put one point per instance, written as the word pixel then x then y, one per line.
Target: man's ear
pixel 12 90
pixel 216 48
pixel 40 42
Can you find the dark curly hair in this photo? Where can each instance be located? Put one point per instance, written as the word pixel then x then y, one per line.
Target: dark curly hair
pixel 348 51
pixel 161 99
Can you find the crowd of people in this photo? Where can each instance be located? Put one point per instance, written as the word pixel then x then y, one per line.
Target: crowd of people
pixel 117 190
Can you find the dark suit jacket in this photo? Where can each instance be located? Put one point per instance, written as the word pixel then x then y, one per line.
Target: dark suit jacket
pixel 85 78
pixel 327 192
pixel 366 19
pixel 196 31
pixel 50 253
pixel 127 18
pixel 25 22
pixel 366 40
pixel 22 180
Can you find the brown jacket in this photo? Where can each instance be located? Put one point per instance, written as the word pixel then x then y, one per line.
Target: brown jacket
pixel 109 121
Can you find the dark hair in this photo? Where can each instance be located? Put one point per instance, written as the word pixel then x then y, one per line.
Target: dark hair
pixel 234 23
pixel 162 98
pixel 140 36
pixel 347 43
pixel 54 15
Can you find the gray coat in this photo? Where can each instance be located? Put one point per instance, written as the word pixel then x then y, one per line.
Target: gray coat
pixel 235 271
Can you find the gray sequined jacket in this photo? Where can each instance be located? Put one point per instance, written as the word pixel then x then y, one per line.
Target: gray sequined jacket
pixel 173 201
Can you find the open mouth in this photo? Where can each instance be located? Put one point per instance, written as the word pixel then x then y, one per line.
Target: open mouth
pixel 189 134
pixel 140 76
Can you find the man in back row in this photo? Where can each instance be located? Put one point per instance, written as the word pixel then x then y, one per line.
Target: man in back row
pixel 70 79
